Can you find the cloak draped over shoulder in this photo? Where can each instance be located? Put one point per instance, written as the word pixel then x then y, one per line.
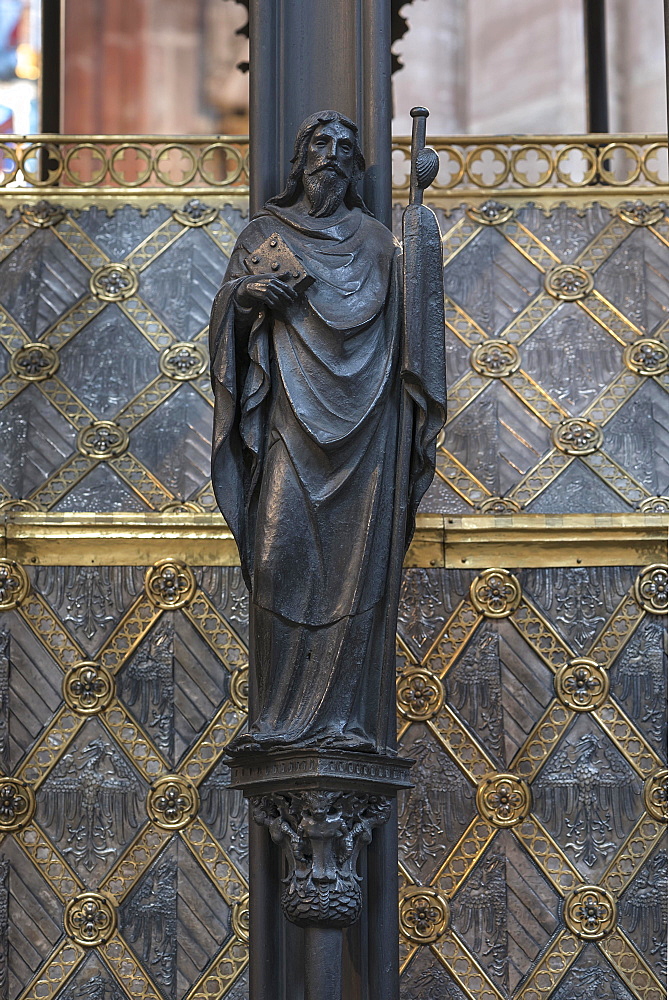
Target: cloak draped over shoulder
pixel 307 403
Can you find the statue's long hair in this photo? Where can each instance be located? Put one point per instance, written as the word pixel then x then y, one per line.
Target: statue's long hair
pixel 294 186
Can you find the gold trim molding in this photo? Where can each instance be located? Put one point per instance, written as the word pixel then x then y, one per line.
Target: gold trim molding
pixel 476 542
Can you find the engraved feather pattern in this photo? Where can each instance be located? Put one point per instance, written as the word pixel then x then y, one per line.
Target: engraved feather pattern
pixel 644 906
pixel 481 907
pixel 150 920
pixel 585 791
pixel 92 595
pixel 437 805
pixel 91 798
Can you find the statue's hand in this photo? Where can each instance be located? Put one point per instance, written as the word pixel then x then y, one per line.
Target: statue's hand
pixel 268 289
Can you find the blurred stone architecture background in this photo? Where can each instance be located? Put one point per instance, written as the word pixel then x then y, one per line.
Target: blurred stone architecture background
pixel 483 66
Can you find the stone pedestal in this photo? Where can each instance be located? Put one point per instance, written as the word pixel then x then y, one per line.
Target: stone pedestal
pixel 336 880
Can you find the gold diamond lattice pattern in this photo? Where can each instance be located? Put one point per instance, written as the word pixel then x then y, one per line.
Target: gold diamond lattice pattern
pixel 113 811
pixel 539 811
pixel 536 369
pixel 508 832
pixel 532 700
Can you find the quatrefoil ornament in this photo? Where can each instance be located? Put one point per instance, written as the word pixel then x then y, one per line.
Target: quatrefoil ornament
pixel 17 804
pixel 651 589
pixel 169 584
pixel 590 913
pixel 172 802
pixel 495 593
pixel 90 919
pixel 568 282
pixel 114 282
pixel 424 914
pixel 14 584
pixel 503 799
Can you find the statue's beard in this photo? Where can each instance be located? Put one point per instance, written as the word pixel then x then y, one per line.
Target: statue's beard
pixel 325 191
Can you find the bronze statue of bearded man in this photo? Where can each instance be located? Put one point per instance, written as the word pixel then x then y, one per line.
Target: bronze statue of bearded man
pixel 310 387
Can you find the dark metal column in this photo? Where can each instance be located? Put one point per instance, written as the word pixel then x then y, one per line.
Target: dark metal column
pixel 595 65
pixel 308 55
pixel 50 80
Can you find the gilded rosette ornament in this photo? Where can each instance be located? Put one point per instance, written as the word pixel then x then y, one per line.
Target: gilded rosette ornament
pixel 495 593
pixel 240 918
pixel 19 506
pixel 654 505
pixel 169 584
pixel 568 282
pixel 499 505
pixel 195 213
pixel 181 507
pixel 102 439
pixel 655 795
pixel 647 357
pixel 88 688
pixel 651 589
pixel 34 362
pixel 495 358
pixel 114 282
pixel 637 213
pixel 590 913
pixel 14 584
pixel 172 802
pixel 183 361
pixel 90 919
pixel 577 436
pixel 582 685
pixel 503 799
pixel 239 688
pixel 490 213
pixel 420 695
pixel 42 215
pixel 424 914
pixel 17 804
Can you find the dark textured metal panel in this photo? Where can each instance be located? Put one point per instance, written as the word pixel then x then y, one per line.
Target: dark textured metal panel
pixel 100 491
pixel 509 440
pixel 436 812
pixel 91 803
pixel 120 231
pixel 588 798
pixel 174 442
pixel 30 924
pixel 591 975
pixel 181 283
pixel 637 437
pixel 39 281
pixel 571 354
pixel 643 911
pixel 639 677
pixel 36 440
pixel 33 687
pixel 124 363
pixel 571 357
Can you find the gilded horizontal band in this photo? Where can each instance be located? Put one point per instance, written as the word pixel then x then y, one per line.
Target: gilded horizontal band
pixel 204 539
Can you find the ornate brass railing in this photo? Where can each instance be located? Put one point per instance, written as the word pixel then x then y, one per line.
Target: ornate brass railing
pixel 512 165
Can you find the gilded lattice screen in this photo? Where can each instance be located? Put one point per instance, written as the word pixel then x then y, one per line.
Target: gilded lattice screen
pixel 531 640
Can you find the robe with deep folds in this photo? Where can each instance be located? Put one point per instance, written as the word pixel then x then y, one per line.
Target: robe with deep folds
pixel 304 471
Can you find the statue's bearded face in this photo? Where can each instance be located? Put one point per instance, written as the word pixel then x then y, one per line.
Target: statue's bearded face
pixel 329 167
